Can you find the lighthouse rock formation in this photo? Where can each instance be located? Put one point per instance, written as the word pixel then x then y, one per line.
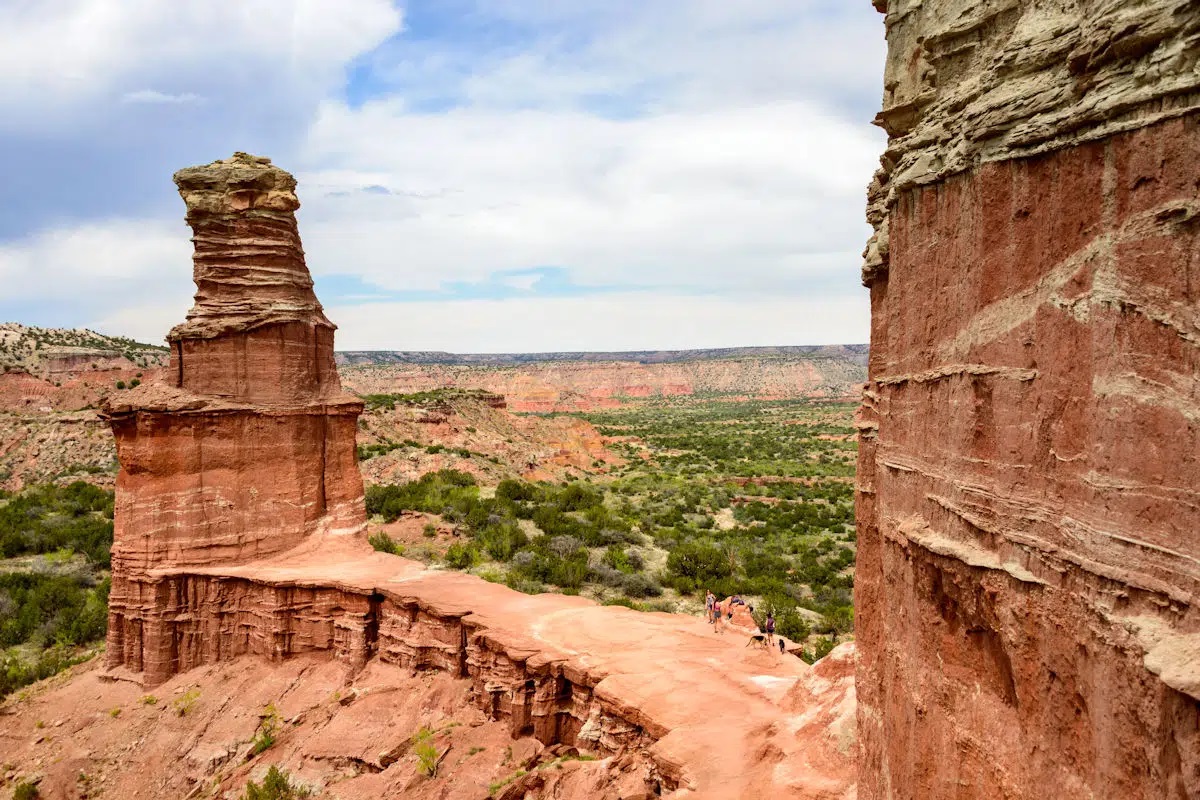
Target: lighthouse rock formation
pixel 1029 474
pixel 248 449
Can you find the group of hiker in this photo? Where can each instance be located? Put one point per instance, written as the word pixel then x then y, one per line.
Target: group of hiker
pixel 719 614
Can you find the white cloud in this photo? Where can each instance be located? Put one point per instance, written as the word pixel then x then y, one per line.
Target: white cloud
pixel 153 96
pixel 604 322
pixel 59 57
pixel 89 270
pixel 769 195
pixel 69 260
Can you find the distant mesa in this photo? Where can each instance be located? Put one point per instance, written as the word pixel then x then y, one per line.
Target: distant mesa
pixel 575 381
pixel 855 353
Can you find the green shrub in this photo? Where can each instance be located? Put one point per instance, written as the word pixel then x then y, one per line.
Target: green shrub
pixel 699 562
pixel 268 729
pixel 51 609
pixel 460 556
pixel 640 585
pixel 24 790
pixel 502 541
pixel 276 785
pixel 821 649
pixel 426 752
pixel 385 544
pixel 42 519
pixel 184 704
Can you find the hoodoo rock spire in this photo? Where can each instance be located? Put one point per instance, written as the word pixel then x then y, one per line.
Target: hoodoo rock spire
pixel 248 449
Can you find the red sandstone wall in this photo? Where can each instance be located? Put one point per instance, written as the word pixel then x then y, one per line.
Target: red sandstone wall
pixel 223 487
pixel 1029 484
pixel 207 619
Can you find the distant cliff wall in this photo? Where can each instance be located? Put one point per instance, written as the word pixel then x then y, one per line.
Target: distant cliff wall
pixel 1029 474
pixel 584 385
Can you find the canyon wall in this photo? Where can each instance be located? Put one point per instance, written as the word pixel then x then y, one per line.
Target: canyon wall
pixel 1029 480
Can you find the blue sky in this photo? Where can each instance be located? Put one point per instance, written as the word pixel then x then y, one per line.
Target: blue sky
pixel 474 176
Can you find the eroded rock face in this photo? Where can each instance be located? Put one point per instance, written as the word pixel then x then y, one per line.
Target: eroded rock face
pixel 247 448
pixel 1029 486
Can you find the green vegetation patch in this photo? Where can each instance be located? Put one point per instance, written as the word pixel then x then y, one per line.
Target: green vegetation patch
pixel 750 499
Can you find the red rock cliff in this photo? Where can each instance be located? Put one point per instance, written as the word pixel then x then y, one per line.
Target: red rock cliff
pixel 1029 485
pixel 248 449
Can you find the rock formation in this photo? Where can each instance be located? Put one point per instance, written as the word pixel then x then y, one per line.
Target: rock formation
pixel 239 520
pixel 249 448
pixel 1029 485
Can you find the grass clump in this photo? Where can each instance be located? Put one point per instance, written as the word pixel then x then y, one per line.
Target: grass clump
pixel 184 704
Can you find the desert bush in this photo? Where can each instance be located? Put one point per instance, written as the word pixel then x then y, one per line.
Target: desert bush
pixel 276 785
pixel 699 562
pixel 385 544
pixel 640 585
pixel 268 729
pixel 42 519
pixel 184 704
pixel 51 609
pixel 502 541
pixel 461 556
pixel 426 752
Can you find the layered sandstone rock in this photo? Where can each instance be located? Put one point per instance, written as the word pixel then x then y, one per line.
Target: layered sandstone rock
pixel 247 449
pixel 1029 486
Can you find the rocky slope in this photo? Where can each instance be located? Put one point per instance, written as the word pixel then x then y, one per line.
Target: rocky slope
pixel 474 432
pixel 54 352
pixel 586 381
pixel 1028 482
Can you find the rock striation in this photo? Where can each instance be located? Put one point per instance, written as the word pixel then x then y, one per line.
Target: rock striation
pixel 1029 485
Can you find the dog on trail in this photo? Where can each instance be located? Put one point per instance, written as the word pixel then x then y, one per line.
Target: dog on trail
pixel 761 639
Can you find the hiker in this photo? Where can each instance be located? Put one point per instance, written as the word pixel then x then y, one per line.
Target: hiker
pixel 718 622
pixel 770 627
pixel 709 601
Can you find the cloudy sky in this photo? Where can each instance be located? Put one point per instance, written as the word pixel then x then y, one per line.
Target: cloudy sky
pixel 476 175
